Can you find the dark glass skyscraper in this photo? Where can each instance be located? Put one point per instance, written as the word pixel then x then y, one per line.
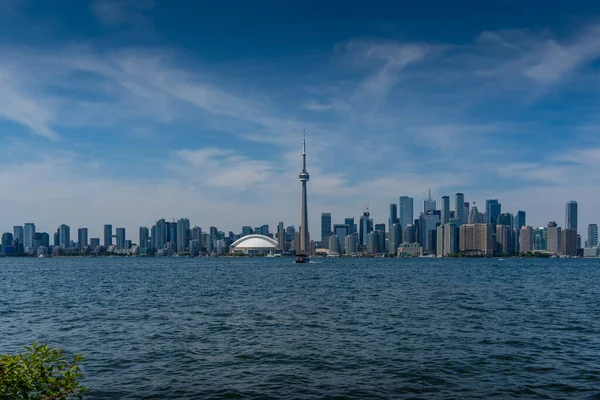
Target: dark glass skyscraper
pixel 325 229
pixel 571 215
pixel 108 235
pixel 492 210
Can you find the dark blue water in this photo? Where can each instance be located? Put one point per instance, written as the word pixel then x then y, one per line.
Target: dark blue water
pixel 341 328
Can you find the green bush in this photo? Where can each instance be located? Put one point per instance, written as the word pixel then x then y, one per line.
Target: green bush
pixel 42 372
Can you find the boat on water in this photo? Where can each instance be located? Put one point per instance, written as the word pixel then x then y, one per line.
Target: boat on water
pixel 302 258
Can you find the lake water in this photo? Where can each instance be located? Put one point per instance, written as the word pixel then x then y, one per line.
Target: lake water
pixel 333 328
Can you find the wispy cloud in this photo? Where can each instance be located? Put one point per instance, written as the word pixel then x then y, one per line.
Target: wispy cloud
pixel 18 106
pixel 123 12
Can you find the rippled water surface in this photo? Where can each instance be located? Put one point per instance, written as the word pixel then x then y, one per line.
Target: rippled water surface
pixel 335 328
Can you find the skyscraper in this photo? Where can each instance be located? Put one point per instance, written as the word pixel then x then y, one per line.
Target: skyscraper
pixel 553 238
pixel 525 239
pixel 303 178
pixel 18 234
pixel 144 236
pixel 121 238
pixel 445 210
pixel 64 236
pixel 183 229
pixel 159 235
pixel 459 208
pixel 28 235
pixel 571 215
pixel 520 219
pixel 395 239
pixel 592 235
pixel 393 215
pixel 429 204
pixel 325 229
pixel 365 227
pixel 406 211
pixel 108 235
pixel 82 237
pixel 351 225
pixel 492 210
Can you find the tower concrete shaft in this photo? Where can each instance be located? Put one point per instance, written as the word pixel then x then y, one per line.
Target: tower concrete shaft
pixel 304 177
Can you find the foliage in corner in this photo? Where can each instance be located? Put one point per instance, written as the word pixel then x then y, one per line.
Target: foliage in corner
pixel 41 373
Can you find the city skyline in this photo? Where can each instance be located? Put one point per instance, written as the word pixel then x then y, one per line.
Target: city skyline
pixel 121 112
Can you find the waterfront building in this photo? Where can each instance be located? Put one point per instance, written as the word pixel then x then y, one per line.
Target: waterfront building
pixel 18 234
pixel 553 238
pixel 128 244
pixel 447 239
pixel 429 204
pixel 64 236
pixel 504 240
pixel 194 247
pixel 406 211
pixel 325 229
pixel 172 234
pixel 183 231
pixel 395 238
pixel 592 236
pixel 252 244
pixel 303 178
pixel 428 223
pixel 28 235
pixel 381 229
pixel 526 239
pixel 476 239
pixel 459 208
pixel 445 215
pixel 333 245
pixel 393 215
pixel 94 243
pixel 568 242
pixel 350 244
pixel 365 227
pixel 341 231
pixel 7 239
pixel 410 250
pixel 374 242
pixel 120 238
pixel 571 215
pixel 159 235
pixel 144 237
pixel 108 235
pixel 539 239
pixel 591 252
pixel 82 237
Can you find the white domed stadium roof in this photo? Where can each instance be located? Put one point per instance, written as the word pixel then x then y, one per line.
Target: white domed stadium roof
pixel 255 242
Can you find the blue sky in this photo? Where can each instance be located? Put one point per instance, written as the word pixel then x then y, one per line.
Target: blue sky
pixel 127 111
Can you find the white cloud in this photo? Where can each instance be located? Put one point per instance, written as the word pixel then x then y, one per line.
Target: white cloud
pixel 20 107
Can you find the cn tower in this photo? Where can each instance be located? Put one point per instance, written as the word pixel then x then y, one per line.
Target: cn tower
pixel 304 177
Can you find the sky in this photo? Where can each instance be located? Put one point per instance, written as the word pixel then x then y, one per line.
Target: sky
pixel 127 111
